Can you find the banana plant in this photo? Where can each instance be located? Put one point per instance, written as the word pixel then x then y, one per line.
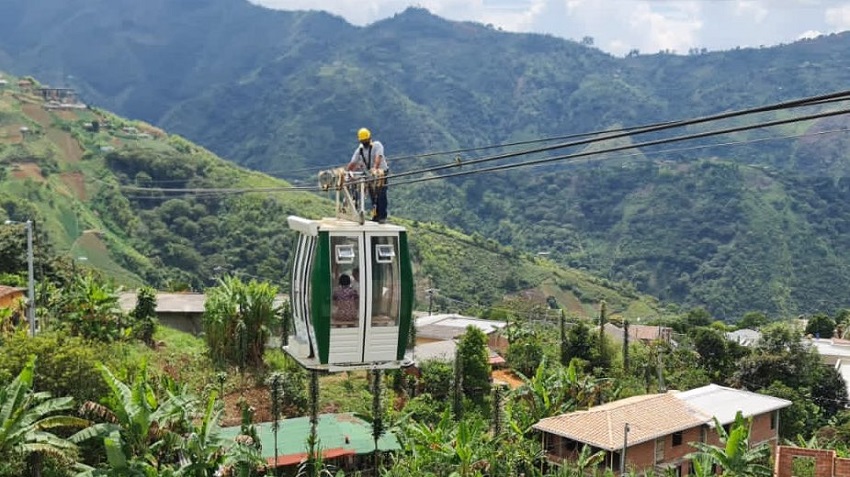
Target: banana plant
pixel 734 455
pixel 27 417
pixel 147 427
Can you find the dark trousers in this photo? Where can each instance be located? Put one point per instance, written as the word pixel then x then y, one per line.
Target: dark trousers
pixel 379 201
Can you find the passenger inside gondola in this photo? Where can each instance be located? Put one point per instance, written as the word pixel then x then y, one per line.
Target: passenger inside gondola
pixel 346 304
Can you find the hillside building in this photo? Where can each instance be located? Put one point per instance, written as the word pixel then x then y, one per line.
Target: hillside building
pixel 654 429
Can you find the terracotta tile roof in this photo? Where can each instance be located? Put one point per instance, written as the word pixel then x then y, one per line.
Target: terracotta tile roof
pixel 655 415
pixel 649 416
pixel 6 290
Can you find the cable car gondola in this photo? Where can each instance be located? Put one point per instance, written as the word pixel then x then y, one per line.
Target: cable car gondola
pixel 352 292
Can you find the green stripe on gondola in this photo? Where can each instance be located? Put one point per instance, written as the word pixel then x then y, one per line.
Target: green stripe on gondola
pixel 406 312
pixel 320 301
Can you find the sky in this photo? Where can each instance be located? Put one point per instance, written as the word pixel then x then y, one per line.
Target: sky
pixel 619 26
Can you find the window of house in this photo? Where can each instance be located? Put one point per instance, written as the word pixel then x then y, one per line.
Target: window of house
pixel 677 438
pixel 774 416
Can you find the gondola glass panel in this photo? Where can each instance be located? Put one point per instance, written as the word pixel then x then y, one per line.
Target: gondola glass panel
pixel 346 333
pixel 385 293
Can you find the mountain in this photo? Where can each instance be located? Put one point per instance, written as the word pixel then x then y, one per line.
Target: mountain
pixel 284 92
pixel 77 173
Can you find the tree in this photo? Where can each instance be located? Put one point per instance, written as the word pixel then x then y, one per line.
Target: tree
pixel 564 349
pixel 472 352
pixel 734 455
pixel 711 346
pixel 435 377
pixel 820 326
pixel 27 419
pixel 752 320
pixel 698 317
pixel 800 418
pixel 525 355
pixel 580 342
pixel 144 315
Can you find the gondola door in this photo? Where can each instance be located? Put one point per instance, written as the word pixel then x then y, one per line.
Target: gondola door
pixel 347 320
pixel 383 290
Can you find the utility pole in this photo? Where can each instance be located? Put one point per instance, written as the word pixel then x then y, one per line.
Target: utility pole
pixel 625 445
pixel 626 346
pixel 661 387
pixel 31 279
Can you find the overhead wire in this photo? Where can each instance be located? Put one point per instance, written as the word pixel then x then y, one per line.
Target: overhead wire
pixel 395 159
pixel 626 147
pixel 816 100
pixel 209 192
pixel 592 136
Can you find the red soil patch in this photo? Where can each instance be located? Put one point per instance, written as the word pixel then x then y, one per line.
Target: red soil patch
pixel 28 170
pixel 11 135
pixel 37 113
pixel 507 376
pixel 69 146
pixel 76 182
pixel 257 397
pixel 91 242
pixel 66 115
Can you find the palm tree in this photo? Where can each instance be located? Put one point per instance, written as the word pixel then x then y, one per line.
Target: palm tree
pixel 734 456
pixel 26 418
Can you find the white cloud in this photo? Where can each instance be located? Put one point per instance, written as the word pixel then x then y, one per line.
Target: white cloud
pixel 839 17
pixel 618 26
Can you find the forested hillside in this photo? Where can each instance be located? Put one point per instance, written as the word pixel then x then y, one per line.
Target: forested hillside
pixel 284 92
pixel 80 175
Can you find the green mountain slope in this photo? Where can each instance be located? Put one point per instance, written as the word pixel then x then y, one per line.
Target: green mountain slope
pixel 77 173
pixel 284 92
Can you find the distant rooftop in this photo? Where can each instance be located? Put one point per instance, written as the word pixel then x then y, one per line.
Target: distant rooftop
pixel 7 290
pixel 744 336
pixel 450 326
pixel 175 302
pixel 832 347
pixel 445 351
pixel 167 302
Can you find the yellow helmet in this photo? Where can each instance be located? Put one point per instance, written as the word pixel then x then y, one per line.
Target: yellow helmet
pixel 363 134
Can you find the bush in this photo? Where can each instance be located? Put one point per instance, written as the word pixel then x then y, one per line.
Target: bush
pixel 66 365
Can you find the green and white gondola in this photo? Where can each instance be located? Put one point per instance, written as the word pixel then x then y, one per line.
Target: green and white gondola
pixel 371 328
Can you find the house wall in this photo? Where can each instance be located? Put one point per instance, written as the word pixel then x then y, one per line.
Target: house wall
pixel 676 454
pixel 498 342
pixel 825 461
pixel 640 457
pixel 186 322
pixel 761 431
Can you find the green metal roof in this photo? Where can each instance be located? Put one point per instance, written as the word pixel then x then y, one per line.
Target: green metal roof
pixel 333 429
